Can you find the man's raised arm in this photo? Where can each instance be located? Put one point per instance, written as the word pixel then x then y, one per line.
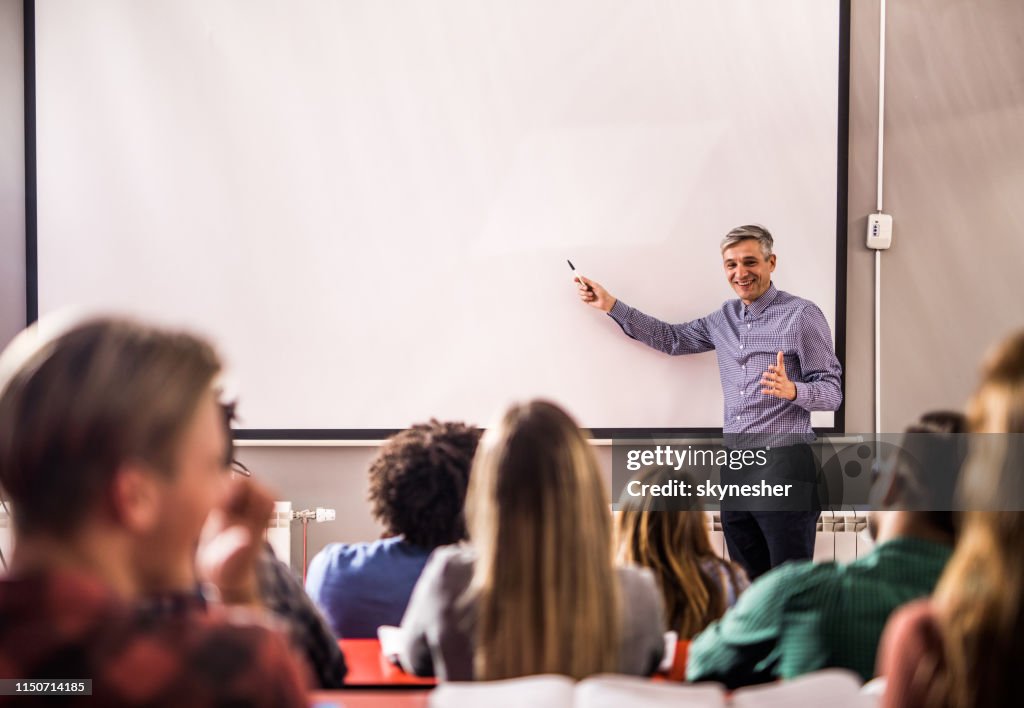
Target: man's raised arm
pixel 687 338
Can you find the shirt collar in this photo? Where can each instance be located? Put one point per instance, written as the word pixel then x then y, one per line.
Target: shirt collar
pixel 761 304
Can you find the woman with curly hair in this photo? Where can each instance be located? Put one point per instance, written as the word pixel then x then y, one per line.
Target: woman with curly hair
pixel 417 488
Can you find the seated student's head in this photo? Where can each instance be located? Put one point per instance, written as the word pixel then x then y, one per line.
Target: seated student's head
pixel 980 598
pixel 917 482
pixel 669 535
pixel 418 483
pixel 996 420
pixel 540 522
pixel 113 450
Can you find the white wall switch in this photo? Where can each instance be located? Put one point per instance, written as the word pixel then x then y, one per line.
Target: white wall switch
pixel 879 231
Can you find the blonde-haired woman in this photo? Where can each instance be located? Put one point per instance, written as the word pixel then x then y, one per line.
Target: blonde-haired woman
pixel 670 536
pixel 536 590
pixel 964 647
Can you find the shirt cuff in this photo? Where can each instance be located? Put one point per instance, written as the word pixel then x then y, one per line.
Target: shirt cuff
pixel 619 312
pixel 803 395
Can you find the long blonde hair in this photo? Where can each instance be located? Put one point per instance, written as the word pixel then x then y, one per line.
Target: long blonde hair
pixel 539 519
pixel 980 598
pixel 674 544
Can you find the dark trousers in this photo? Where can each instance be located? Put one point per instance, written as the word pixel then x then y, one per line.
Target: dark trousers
pixel 764 534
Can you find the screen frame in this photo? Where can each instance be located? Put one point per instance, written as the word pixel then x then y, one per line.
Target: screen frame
pixel 374 434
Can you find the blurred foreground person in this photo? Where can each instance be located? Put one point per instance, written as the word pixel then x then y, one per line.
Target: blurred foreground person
pixel 964 647
pixel 114 452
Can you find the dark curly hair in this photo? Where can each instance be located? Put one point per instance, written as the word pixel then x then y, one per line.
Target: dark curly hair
pixel 418 482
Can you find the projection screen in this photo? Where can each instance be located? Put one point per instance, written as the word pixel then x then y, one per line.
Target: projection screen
pixel 368 204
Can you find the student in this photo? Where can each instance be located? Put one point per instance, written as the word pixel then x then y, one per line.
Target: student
pixel 807 616
pixel 282 593
pixel 697 586
pixel 963 648
pixel 114 453
pixel 417 490
pixel 536 592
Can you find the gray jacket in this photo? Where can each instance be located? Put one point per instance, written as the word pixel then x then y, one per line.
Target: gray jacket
pixel 439 623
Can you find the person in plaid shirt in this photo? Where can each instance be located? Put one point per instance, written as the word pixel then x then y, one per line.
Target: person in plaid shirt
pixel 114 452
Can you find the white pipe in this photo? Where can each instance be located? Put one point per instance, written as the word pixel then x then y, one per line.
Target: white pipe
pixel 881 101
pixel 878 206
pixel 878 342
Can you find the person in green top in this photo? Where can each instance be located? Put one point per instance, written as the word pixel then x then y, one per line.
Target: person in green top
pixel 806 616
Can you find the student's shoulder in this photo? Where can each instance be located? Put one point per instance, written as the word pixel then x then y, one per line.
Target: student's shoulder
pixel 640 600
pixel 911 634
pixel 636 584
pixel 206 622
pixel 456 554
pixel 264 662
pixel 794 581
pixel 338 553
pixel 359 553
pixel 804 573
pixel 177 644
pixel 916 620
pixel 770 598
pixel 450 567
pixel 633 575
pixel 726 573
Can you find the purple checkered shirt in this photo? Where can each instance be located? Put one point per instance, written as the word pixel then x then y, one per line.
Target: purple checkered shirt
pixel 747 339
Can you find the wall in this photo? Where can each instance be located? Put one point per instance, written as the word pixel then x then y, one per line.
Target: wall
pixel 333 477
pixel 953 180
pixel 12 191
pixel 954 174
pixel 12 173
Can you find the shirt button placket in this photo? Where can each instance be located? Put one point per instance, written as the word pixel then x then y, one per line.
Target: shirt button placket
pixel 743 368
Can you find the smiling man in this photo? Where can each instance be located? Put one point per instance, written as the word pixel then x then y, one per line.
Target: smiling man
pixel 777 364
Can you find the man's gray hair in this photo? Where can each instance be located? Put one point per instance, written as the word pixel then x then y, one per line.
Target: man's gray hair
pixel 750 232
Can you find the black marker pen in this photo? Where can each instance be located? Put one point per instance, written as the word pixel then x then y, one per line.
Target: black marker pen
pixel 578 275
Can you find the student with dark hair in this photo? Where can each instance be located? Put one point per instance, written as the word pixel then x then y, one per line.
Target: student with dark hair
pixel 807 616
pixel 114 454
pixel 670 537
pixel 417 489
pixel 282 593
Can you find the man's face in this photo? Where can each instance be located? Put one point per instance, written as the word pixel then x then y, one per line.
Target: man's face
pixel 198 483
pixel 748 271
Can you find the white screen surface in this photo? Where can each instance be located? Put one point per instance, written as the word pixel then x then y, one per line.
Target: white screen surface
pixel 368 205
